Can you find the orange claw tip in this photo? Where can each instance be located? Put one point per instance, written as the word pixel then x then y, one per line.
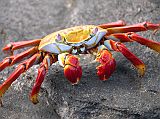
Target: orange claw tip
pixel 34 98
pixel 4 64
pixel 141 69
pixel 73 74
pixel 7 47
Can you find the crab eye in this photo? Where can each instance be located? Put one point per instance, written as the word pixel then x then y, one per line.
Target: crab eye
pixel 59 38
pixel 95 30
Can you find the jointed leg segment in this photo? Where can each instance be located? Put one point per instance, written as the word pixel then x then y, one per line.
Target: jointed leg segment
pixel 117 46
pixel 131 36
pixel 113 24
pixel 118 34
pixel 9 61
pixel 18 71
pixel 47 61
pixel 17 45
pixel 133 28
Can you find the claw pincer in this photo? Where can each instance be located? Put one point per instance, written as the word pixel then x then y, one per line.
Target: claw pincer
pixel 72 69
pixel 64 45
pixel 107 64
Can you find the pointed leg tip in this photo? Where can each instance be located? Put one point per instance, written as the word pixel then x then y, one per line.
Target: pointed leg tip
pixel 141 70
pixel 7 47
pixel 1 103
pixel 34 99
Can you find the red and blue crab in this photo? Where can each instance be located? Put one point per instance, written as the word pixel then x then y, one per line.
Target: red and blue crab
pixel 64 45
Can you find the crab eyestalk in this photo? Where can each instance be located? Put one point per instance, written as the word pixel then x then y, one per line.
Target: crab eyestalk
pixel 107 64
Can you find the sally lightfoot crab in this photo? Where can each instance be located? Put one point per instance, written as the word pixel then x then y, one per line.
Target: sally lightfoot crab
pixel 64 45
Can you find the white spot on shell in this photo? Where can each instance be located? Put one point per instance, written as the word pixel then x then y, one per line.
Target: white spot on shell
pixel 74 51
pixel 82 49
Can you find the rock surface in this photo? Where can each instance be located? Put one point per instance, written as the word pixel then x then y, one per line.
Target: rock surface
pixel 124 95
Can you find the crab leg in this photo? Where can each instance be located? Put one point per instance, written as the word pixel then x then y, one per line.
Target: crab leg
pixel 17 45
pixel 47 61
pixel 117 46
pixel 18 71
pixel 133 28
pixel 8 61
pixel 112 24
pixel 131 36
pixel 72 69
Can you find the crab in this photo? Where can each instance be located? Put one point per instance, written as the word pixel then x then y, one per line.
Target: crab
pixel 64 45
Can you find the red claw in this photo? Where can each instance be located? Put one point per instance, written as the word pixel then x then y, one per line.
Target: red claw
pixel 72 69
pixel 107 66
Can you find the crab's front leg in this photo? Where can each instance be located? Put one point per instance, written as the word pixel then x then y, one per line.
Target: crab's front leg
pixel 72 69
pixel 47 61
pixel 22 67
pixel 107 63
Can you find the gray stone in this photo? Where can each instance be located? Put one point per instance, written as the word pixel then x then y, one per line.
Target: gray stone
pixel 124 95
